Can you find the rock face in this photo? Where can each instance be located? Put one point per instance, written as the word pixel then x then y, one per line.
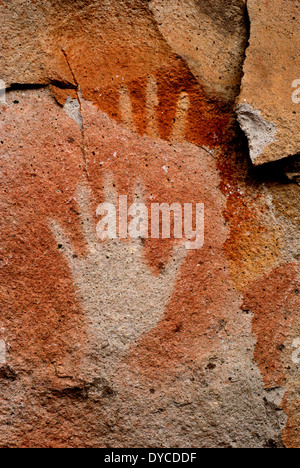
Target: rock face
pixel 268 106
pixel 140 342
pixel 210 36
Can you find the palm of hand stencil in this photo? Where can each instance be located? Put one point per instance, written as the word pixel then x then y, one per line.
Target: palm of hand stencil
pixel 120 295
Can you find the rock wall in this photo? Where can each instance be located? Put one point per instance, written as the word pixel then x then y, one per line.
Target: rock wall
pixel 140 342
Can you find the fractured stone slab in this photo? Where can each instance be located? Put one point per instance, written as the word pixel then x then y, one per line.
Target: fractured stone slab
pixel 266 110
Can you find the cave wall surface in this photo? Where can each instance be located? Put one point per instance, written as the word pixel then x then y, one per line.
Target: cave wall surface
pixel 142 343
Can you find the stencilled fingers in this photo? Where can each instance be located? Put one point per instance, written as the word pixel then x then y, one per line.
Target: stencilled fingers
pixel 111 194
pixel 178 133
pixel 126 108
pixel 84 200
pixel 173 266
pixel 139 195
pixel 138 228
pixel 179 127
pixel 62 239
pixel 151 107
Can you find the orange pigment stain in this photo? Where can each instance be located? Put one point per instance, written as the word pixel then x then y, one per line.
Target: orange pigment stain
pixel 39 310
pixel 273 300
pixel 41 305
pixel 291 406
pixel 105 61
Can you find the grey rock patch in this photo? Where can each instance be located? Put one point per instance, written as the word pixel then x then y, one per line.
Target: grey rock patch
pixel 2 352
pixel 72 109
pixel 259 131
pixel 2 92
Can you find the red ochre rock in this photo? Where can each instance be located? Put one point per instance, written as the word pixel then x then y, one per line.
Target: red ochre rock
pixel 126 343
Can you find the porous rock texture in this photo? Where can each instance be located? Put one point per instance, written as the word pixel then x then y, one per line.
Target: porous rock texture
pixel 266 108
pixel 137 343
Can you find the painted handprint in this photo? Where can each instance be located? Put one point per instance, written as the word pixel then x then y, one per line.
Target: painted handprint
pixel 180 118
pixel 120 295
